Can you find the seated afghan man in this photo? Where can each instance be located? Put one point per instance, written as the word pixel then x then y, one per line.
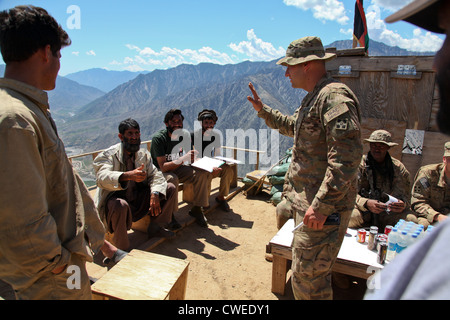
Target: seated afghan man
pixel 172 154
pixel 130 187
pixel 381 176
pixel 207 141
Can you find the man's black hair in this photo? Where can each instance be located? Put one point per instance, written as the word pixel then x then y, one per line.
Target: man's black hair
pixel 127 124
pixel 26 29
pixel 171 113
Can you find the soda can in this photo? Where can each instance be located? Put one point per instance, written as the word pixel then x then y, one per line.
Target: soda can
pixel 382 252
pixel 387 229
pixel 381 237
pixel 361 238
pixel 371 243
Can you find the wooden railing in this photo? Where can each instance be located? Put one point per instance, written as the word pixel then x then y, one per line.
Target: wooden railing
pixel 148 143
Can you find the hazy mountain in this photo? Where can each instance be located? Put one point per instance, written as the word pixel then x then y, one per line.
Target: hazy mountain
pixel 148 97
pixel 70 96
pixel 192 88
pixel 104 80
pixel 67 97
pixel 379 49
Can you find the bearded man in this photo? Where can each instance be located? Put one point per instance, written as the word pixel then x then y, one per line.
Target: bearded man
pixel 171 153
pixel 130 187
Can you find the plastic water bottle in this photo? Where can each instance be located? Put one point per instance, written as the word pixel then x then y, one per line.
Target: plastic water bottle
pixel 392 244
pixel 402 241
pixel 400 225
pixel 414 238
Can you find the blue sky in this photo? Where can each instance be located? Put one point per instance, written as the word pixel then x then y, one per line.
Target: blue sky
pixel 141 35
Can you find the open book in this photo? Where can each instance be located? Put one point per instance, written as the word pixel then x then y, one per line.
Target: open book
pixel 207 163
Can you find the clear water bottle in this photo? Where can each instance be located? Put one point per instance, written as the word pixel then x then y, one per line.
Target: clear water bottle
pixel 413 238
pixel 392 244
pixel 402 241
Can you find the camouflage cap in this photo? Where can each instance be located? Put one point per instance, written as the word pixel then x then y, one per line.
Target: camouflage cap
pixel 381 136
pixel 304 50
pixel 422 13
pixel 447 149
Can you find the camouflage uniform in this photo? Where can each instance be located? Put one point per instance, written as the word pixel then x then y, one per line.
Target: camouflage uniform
pixel 323 171
pixel 368 189
pixel 430 192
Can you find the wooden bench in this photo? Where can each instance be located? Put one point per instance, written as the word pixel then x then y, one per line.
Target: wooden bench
pixel 143 276
pixel 353 259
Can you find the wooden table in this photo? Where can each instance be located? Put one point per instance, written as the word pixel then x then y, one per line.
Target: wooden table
pixel 353 259
pixel 143 275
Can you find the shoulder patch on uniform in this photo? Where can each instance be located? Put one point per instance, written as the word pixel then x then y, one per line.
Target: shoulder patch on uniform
pixel 335 112
pixel 341 124
pixel 424 182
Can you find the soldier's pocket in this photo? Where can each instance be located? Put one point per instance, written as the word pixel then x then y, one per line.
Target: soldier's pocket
pixel 312 262
pixel 314 250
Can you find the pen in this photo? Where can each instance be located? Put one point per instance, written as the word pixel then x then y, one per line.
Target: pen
pixel 300 224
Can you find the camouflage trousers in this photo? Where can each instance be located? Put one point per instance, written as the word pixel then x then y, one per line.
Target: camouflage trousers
pixel 314 253
pixel 367 219
pixel 284 212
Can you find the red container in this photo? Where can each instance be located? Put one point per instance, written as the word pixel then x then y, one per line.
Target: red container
pixel 387 229
pixel 361 237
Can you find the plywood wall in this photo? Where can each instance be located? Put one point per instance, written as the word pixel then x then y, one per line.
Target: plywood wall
pixel 396 102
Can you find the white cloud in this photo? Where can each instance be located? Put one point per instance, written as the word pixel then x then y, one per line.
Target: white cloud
pixel 170 57
pixel 76 53
pixel 323 10
pixel 91 53
pixel 391 5
pixel 257 49
pixel 421 40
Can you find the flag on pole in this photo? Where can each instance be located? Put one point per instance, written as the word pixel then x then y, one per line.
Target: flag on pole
pixel 360 26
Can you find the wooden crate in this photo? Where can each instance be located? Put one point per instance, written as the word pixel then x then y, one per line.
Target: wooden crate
pixel 143 276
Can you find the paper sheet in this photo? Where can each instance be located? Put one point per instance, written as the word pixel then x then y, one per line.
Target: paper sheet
pixel 207 163
pixel 229 160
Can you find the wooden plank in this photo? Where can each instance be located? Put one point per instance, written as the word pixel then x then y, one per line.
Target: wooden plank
pixel 367 64
pixel 433 147
pixel 279 271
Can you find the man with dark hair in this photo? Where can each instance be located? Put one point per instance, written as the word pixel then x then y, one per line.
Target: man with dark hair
pixel 207 142
pixel 381 176
pixel 48 220
pixel 171 153
pixel 130 187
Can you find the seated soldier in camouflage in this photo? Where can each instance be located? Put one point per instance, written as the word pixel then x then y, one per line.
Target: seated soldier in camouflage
pixel 381 175
pixel 430 199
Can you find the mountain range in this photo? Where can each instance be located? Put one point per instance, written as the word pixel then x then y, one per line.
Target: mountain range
pixel 88 105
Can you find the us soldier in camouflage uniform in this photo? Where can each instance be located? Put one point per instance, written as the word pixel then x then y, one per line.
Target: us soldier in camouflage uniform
pixel 322 177
pixel 430 199
pixel 381 175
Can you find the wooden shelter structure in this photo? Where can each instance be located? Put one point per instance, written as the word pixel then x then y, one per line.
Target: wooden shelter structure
pixel 396 97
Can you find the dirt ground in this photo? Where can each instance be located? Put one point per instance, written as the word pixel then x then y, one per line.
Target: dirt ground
pixel 227 259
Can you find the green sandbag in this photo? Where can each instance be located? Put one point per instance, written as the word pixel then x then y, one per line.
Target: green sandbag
pixel 276 188
pixel 275 180
pixel 276 198
pixel 279 170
